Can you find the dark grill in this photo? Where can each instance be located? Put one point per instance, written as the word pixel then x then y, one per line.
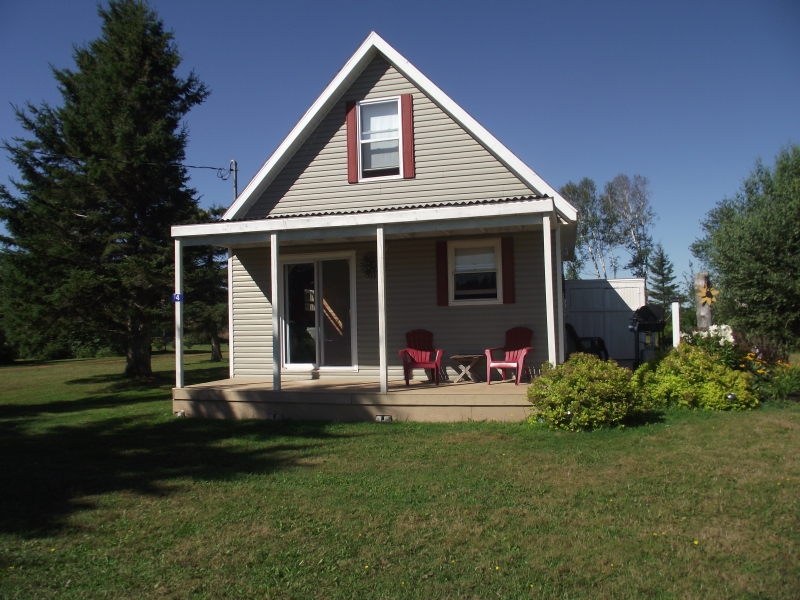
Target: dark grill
pixel 648 319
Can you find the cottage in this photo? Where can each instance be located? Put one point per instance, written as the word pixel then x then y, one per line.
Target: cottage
pixel 386 209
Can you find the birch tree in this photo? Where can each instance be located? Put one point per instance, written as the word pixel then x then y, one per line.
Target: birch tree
pixel 595 236
pixel 633 218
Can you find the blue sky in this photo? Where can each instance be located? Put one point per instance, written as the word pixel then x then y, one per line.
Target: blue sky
pixel 688 94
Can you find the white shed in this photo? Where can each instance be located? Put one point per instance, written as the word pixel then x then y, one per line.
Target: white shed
pixel 602 308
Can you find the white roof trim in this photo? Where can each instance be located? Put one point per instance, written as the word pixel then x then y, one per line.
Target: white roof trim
pixel 344 78
pixel 417 215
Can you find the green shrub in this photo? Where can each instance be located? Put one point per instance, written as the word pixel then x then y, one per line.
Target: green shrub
pixel 690 377
pixel 582 394
pixel 778 382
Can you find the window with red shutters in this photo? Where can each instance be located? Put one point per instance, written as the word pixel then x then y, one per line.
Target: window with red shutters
pixel 380 139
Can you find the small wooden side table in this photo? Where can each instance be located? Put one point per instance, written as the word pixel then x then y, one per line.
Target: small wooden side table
pixel 466 362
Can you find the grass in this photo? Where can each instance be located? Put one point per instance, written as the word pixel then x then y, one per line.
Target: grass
pixel 103 493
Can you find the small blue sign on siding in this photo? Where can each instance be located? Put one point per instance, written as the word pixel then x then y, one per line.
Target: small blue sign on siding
pixel 177 297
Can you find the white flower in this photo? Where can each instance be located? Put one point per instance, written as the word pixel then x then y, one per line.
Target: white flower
pixel 723 333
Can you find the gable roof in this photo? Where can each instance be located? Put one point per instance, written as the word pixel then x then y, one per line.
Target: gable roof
pixel 372 46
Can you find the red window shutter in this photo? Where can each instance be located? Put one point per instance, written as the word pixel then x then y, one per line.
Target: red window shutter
pixel 352 143
pixel 509 287
pixel 407 116
pixel 442 276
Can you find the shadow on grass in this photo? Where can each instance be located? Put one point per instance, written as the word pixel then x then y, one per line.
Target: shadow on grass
pixel 49 474
pixel 641 419
pixel 66 362
pixel 116 390
pixel 46 477
pixel 118 382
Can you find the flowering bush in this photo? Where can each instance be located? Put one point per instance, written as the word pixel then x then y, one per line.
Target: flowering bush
pixel 771 381
pixel 582 394
pixel 719 341
pixel 690 377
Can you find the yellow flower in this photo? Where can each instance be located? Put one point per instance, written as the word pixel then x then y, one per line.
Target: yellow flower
pixel 696 543
pixel 366 566
pixel 497 568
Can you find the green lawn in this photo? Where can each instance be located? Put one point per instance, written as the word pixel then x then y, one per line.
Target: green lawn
pixel 103 493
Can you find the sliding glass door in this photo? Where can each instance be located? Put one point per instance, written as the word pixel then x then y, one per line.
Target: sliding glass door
pixel 318 313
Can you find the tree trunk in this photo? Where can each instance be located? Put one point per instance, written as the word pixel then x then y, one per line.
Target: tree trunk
pixel 704 316
pixel 216 352
pixel 138 357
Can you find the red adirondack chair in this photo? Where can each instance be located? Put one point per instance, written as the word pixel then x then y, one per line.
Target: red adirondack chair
pixel 517 347
pixel 420 354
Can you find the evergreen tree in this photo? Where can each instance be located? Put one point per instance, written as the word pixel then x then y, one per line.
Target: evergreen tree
pixel 206 284
pixel 89 258
pixel 660 278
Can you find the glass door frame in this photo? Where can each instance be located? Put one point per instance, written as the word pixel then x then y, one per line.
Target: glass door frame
pixel 317 257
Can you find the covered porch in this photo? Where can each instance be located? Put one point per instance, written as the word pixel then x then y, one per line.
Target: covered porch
pixel 369 386
pixel 353 400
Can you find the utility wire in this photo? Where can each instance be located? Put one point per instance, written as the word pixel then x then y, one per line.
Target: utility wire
pixel 223 173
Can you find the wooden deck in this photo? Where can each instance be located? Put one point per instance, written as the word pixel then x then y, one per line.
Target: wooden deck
pixel 352 400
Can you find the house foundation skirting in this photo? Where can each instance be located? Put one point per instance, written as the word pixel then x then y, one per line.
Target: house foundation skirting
pixel 421 402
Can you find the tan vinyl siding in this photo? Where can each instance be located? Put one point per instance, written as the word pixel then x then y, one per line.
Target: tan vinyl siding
pixel 411 304
pixel 450 164
pixel 252 313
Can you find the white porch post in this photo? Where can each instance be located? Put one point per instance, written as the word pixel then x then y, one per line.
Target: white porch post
pixel 548 289
pixel 230 313
pixel 275 274
pixel 676 323
pixel 384 370
pixel 178 300
pixel 560 292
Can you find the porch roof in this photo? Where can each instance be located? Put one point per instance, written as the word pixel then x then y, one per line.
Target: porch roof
pixel 524 213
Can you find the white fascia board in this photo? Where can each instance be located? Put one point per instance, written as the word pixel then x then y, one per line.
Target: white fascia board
pixel 344 78
pixel 419 215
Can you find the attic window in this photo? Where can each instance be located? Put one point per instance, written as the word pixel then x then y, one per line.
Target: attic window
pixel 379 138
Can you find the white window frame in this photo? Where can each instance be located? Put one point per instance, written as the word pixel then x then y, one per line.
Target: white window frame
pixel 350 256
pixel 396 99
pixel 451 268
